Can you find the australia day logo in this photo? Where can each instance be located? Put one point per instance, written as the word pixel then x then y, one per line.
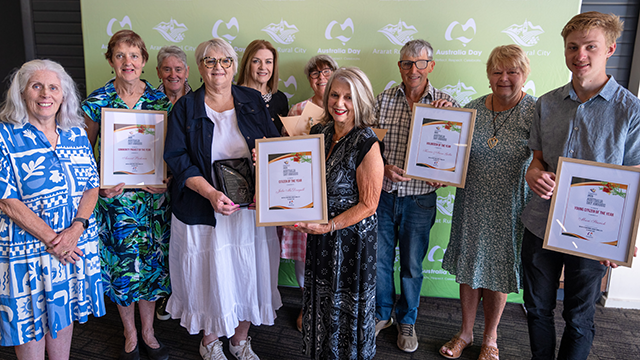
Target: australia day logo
pixel 445 204
pixel 171 31
pixel 461 92
pixel 233 23
pixel 287 83
pixel 399 33
pixel 347 24
pixel 525 34
pixel 470 24
pixel 282 32
pixel 125 21
pixel 530 86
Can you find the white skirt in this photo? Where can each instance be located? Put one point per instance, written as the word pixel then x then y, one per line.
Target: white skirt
pixel 223 275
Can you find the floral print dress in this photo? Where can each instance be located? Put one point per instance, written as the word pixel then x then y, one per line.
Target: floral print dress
pixel 134 227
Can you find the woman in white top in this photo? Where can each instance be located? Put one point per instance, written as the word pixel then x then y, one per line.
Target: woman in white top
pixel 224 270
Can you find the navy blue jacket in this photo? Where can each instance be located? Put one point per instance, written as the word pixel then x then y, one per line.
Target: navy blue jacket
pixel 188 146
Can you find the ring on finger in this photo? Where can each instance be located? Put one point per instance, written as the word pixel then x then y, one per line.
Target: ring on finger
pixel 65 253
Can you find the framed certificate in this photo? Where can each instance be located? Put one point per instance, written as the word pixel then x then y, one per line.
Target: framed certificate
pixel 291 181
pixel 594 211
pixel 131 148
pixel 439 144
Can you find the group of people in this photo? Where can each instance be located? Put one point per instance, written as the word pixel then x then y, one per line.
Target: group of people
pixel 64 242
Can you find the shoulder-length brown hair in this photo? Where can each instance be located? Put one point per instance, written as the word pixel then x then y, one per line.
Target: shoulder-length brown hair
pixel 251 50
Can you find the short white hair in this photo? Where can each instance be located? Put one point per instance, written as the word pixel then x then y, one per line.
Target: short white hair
pixel 220 45
pixel 14 110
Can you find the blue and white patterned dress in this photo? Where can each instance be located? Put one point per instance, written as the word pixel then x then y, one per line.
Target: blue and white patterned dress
pixel 37 293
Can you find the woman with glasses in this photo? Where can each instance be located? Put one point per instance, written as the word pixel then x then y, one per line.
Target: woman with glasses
pixel 293 244
pixel 259 70
pixel 224 269
pixel 133 223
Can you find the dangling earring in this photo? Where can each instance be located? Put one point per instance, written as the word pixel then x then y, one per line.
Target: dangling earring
pixel 111 71
pixel 200 78
pixel 143 71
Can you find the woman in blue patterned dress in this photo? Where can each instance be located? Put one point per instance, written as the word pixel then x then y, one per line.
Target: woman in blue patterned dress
pixel 134 223
pixel 486 231
pixel 339 306
pixel 49 262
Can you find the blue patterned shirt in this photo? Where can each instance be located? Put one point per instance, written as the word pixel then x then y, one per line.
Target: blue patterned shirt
pixel 605 128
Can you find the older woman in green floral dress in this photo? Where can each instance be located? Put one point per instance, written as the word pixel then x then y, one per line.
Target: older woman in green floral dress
pixel 134 224
pixel 486 231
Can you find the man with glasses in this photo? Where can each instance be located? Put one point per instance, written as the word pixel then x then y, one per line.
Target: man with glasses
pixel 407 207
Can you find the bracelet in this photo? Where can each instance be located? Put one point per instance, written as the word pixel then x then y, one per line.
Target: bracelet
pixel 333 226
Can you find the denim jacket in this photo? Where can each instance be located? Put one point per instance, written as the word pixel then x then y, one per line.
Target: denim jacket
pixel 188 146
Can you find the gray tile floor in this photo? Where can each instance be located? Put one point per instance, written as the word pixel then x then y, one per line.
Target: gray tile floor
pixel 617 337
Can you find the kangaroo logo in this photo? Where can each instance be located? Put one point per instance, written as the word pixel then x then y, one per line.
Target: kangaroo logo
pixel 399 33
pixel 530 85
pixel 287 83
pixel 445 204
pixel 346 24
pixel 125 21
pixel 465 40
pixel 525 34
pixel 233 22
pixel 171 31
pixel 282 32
pixel 461 92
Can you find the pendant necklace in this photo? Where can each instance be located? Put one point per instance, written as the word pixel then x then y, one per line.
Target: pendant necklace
pixel 493 141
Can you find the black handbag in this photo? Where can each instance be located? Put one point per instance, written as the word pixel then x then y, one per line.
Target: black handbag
pixel 235 179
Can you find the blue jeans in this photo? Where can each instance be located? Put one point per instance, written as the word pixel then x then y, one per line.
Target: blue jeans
pixel 405 221
pixel 582 278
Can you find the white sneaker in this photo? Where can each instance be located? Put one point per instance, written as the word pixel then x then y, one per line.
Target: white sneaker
pixel 212 351
pixel 243 351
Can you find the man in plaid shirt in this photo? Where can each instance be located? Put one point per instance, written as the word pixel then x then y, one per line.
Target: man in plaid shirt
pixel 407 207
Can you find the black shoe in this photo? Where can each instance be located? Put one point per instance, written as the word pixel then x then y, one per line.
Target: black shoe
pixel 161 353
pixel 161 309
pixel 134 355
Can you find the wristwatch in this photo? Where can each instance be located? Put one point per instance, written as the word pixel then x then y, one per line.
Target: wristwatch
pixel 85 222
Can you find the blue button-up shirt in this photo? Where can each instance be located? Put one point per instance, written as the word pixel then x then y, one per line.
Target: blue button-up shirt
pixel 605 128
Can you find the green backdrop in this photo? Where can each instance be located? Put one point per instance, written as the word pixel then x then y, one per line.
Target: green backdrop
pixel 363 33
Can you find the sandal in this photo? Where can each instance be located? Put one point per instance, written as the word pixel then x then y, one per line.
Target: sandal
pixel 456 345
pixel 488 353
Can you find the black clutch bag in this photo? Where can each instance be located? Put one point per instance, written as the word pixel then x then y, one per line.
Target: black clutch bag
pixel 235 179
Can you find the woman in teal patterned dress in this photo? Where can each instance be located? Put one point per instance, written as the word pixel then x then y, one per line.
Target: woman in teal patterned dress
pixel 486 231
pixel 134 223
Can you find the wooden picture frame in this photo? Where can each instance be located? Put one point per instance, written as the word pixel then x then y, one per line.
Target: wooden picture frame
pixel 594 211
pixel 439 144
pixel 291 181
pixel 132 148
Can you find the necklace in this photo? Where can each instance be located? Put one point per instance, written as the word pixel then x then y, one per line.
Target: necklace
pixel 493 141
pixel 267 97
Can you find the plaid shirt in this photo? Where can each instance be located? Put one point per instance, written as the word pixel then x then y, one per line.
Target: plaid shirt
pixel 394 114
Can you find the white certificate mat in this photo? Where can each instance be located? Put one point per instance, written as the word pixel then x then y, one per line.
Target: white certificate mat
pixel 439 144
pixel 594 211
pixel 131 148
pixel 291 182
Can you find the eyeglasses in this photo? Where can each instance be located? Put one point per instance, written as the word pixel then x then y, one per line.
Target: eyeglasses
pixel 210 62
pixel 420 64
pixel 316 74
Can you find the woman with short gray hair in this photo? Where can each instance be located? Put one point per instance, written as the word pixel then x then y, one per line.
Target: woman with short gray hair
pixel 224 269
pixel 173 72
